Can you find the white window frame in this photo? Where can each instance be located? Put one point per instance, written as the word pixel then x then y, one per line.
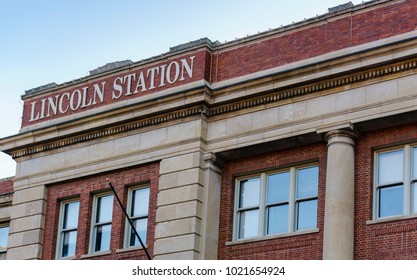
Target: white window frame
pixel 61 230
pixel 407 182
pixel 263 204
pixel 94 224
pixel 128 228
pixel 5 224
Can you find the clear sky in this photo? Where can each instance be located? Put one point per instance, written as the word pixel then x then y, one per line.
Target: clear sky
pixel 44 41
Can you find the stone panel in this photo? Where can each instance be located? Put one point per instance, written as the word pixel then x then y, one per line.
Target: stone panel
pixel 180 178
pixel 381 92
pixel 5 213
pixel 29 194
pixel 407 86
pixel 216 129
pixel 78 155
pixel 178 227
pixel 180 210
pixel 187 255
pixel 321 105
pixel 181 243
pixel 178 163
pixel 292 112
pixel 183 131
pixel 179 195
pixel 128 144
pixel 154 138
pixel 28 209
pixel 24 252
pixel 28 167
pixel 26 223
pixel 265 118
pixel 238 124
pixel 349 99
pixel 26 238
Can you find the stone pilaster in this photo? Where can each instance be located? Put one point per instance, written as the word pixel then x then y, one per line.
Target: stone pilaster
pixel 27 223
pixel 211 206
pixel 340 186
pixel 188 207
pixel 179 213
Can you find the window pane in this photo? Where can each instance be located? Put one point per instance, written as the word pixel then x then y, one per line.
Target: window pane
pixel 414 195
pixel 415 162
pixel 104 208
pixel 68 247
pixel 249 192
pixel 307 214
pixel 307 182
pixel 103 238
pixel 249 222
pixel 391 201
pixel 278 219
pixel 140 202
pixel 141 226
pixel 4 236
pixel 278 185
pixel 71 215
pixel 390 167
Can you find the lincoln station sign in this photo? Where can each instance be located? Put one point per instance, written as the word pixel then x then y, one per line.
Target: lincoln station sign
pixel 106 91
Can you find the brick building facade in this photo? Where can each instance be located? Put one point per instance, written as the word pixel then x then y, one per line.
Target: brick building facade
pixel 295 143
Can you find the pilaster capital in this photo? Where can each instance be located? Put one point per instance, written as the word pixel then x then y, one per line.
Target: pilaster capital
pixel 211 159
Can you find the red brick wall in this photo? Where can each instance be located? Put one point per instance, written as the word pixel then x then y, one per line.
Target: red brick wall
pixel 6 185
pixel 362 27
pixel 306 246
pixel 388 240
pixel 85 189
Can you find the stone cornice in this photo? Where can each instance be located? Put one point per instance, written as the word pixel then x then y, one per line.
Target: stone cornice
pixel 115 130
pixel 328 85
pixel 205 110
pixel 6 199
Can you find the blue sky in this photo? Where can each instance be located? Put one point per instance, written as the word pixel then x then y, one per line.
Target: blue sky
pixel 44 41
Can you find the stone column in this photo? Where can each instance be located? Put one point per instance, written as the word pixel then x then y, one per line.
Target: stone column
pixel 339 205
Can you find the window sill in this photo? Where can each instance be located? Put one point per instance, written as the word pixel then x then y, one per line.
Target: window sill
pixel 391 219
pixel 129 249
pixel 97 254
pixel 269 237
pixel 67 258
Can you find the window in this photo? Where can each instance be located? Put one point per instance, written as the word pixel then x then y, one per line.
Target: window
pixel 395 182
pixel 276 202
pixel 138 204
pixel 67 231
pixel 4 237
pixel 101 223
